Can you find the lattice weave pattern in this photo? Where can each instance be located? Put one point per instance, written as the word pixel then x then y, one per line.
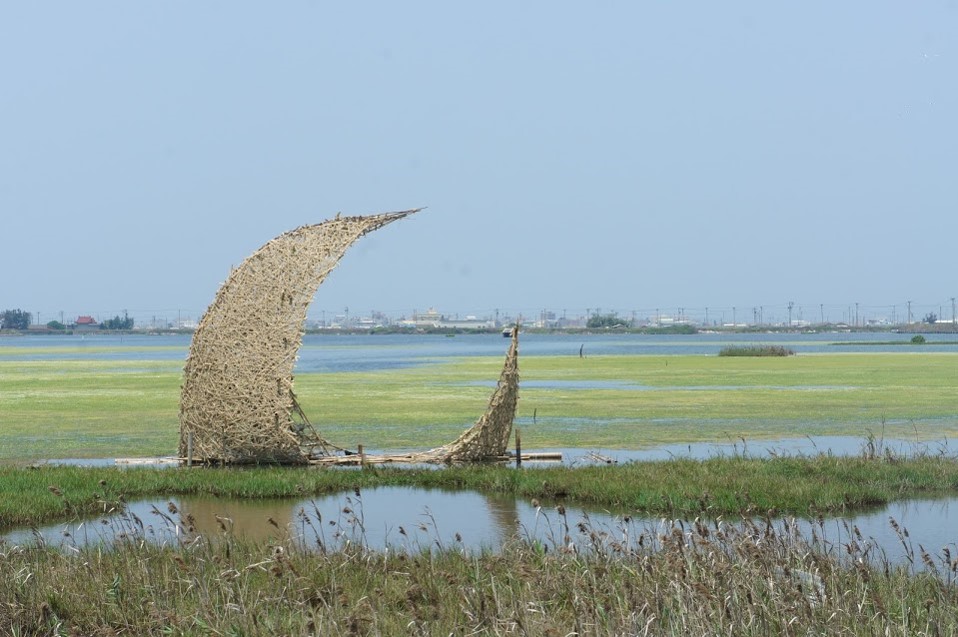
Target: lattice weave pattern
pixel 237 398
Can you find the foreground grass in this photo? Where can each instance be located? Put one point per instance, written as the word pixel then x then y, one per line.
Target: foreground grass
pixel 737 579
pixel 64 408
pixel 726 485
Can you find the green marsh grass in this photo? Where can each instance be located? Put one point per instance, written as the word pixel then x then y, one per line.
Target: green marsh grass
pixel 64 408
pixel 729 485
pixel 742 579
pixel 686 399
pixel 88 409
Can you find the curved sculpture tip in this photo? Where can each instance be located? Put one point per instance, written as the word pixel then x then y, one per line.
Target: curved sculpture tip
pixel 237 396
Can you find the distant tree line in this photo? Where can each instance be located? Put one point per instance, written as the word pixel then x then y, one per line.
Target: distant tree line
pixel 117 323
pixel 15 320
pixel 599 321
pixel 20 320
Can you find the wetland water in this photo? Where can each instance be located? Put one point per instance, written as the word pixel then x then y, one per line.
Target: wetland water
pixel 480 520
pixel 415 518
pixel 366 352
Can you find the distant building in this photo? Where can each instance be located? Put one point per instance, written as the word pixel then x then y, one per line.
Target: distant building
pixel 432 319
pixel 85 324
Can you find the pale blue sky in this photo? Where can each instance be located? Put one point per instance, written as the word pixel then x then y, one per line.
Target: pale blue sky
pixel 622 155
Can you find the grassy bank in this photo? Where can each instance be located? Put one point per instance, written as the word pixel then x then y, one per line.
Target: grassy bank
pixel 67 408
pixel 728 485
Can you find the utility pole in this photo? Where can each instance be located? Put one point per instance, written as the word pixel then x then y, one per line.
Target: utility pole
pixel 857 323
pixel 791 304
pixel 733 316
pixel 821 311
pixel 909 312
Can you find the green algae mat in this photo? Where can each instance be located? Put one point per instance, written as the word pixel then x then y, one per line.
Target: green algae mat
pixel 117 408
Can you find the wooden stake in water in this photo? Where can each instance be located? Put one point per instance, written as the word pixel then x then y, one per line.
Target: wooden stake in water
pixel 518 449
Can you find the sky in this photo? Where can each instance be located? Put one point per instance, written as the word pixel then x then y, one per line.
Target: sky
pixel 614 155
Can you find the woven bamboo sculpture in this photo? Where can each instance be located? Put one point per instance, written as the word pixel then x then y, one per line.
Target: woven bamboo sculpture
pixel 237 404
pixel 237 400
pixel 489 437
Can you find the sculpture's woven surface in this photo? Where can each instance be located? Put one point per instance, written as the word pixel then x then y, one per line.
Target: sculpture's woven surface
pixel 237 400
pixel 489 437
pixel 486 440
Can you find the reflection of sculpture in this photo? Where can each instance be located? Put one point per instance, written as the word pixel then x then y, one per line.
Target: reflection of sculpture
pixel 503 515
pixel 237 403
pixel 252 519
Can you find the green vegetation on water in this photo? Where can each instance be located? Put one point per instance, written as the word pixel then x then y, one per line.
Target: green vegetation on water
pixel 108 409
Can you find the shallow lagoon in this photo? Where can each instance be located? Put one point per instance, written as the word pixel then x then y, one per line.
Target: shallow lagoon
pixel 415 518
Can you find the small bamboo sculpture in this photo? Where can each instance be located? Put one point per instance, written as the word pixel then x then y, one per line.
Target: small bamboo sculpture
pixel 489 437
pixel 486 440
pixel 237 400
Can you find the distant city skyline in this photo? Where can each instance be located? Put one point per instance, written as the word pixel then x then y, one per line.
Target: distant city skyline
pixel 854 314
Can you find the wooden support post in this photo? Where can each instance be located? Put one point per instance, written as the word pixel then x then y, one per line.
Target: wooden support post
pixel 189 449
pixel 362 456
pixel 518 449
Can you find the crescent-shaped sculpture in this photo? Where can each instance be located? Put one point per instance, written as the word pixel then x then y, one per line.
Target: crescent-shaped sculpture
pixel 237 401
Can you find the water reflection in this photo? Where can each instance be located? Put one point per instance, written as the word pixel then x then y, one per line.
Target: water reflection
pixel 416 518
pixel 374 517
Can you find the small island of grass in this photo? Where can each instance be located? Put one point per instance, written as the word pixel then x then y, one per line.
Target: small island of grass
pixel 756 350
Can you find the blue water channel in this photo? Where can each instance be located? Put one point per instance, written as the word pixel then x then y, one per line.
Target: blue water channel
pixel 365 352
